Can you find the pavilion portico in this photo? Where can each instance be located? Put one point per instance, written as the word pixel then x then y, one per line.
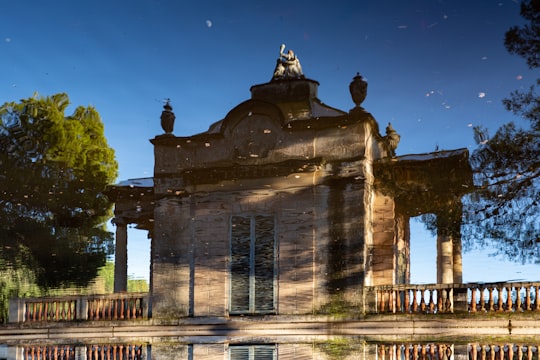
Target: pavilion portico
pixel 327 188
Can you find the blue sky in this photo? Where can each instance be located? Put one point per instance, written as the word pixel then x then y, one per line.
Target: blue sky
pixel 434 68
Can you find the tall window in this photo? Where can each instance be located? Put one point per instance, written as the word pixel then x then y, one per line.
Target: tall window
pixel 252 352
pixel 252 264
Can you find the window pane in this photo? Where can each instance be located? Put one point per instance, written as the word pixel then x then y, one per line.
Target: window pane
pixel 252 352
pixel 240 263
pixel 264 263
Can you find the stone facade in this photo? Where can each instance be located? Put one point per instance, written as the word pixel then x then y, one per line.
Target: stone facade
pixel 286 206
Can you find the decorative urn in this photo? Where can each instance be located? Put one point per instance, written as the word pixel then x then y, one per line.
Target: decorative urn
pixel 167 118
pixel 358 89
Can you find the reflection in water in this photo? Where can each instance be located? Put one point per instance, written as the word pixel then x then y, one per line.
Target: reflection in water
pixel 334 349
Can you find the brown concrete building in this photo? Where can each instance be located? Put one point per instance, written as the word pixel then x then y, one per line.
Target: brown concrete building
pixel 286 206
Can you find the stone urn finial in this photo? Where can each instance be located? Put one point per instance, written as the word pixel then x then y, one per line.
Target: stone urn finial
pixel 358 89
pixel 392 139
pixel 167 118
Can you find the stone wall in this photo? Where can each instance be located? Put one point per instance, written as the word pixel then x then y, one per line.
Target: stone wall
pixel 319 248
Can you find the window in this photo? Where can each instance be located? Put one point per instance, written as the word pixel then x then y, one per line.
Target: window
pixel 252 264
pixel 252 352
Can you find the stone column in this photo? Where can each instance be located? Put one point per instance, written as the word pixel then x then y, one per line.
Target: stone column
pixel 449 261
pixel 445 266
pixel 120 257
pixel 457 211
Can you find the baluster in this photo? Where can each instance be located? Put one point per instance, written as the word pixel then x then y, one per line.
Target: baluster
pixel 473 299
pixel 91 309
pixel 501 294
pixel 450 300
pixel 46 311
pixel 491 303
pixel 473 352
pixel 423 300
pixel 407 305
pixel 129 304
pixel 528 290
pixel 111 309
pixel 440 298
pixel 415 301
pixel 115 309
pixel 510 304
pixel 59 310
pixel 431 351
pixel 103 308
pixel 71 311
pixel 63 305
pixel 519 352
pixel 393 301
pixel 134 301
pixel 423 351
pixel 519 300
pixel 441 351
pixel 381 352
pixel 97 303
pixel 510 351
pixel 34 312
pixel 484 302
pixel 122 308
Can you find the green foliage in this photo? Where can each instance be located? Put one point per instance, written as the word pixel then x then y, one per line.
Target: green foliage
pixel 505 207
pixel 523 41
pixel 53 171
pixel 137 285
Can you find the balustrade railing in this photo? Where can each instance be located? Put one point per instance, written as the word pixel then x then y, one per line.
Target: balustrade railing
pixel 117 307
pixel 89 352
pixel 448 298
pixel 51 309
pixel 53 352
pixel 433 299
pixel 124 306
pixel 504 297
pixel 415 351
pixel 503 351
pixel 471 351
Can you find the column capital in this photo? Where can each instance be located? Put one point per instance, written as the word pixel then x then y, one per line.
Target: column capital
pixel 119 221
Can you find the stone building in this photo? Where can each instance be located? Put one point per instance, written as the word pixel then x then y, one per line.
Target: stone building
pixel 286 206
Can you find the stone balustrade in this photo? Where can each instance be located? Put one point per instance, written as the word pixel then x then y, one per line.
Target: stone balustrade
pixel 427 351
pixel 395 299
pixel 472 351
pixel 118 306
pixel 449 298
pixel 504 297
pixel 88 352
pixel 503 351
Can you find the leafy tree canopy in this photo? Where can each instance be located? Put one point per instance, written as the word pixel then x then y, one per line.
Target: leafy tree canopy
pixel 53 171
pixel 506 206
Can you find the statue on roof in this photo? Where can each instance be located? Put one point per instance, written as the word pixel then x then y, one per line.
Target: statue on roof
pixel 287 66
pixel 392 139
